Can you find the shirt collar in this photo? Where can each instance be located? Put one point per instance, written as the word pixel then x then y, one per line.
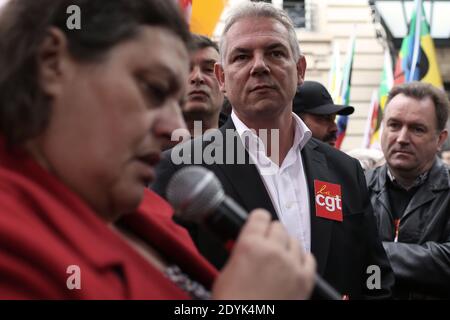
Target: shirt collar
pixel 417 182
pixel 301 136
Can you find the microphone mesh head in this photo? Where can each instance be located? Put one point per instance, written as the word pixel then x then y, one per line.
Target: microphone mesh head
pixel 194 192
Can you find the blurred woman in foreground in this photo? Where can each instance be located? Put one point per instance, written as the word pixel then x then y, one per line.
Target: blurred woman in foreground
pixel 84 115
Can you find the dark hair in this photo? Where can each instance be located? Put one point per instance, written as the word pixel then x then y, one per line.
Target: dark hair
pixel 421 90
pixel 200 42
pixel 24 108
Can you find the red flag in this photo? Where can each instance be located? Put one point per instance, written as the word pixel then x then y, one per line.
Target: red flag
pixel 186 7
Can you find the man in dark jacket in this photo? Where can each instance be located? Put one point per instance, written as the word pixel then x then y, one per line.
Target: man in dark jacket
pixel 317 192
pixel 410 194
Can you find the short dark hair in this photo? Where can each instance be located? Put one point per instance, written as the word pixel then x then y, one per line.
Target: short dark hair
pixel 421 90
pixel 201 42
pixel 24 108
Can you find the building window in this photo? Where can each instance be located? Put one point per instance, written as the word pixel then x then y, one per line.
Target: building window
pixel 297 12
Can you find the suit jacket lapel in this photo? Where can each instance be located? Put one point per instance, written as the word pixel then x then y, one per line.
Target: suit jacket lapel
pixel 245 178
pixel 315 167
pixel 379 186
pixel 248 185
pixel 383 198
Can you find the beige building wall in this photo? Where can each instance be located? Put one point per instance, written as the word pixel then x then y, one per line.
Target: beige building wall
pixel 335 21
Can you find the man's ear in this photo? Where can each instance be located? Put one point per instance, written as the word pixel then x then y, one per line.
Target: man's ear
pixel 301 70
pixel 52 61
pixel 218 71
pixel 442 138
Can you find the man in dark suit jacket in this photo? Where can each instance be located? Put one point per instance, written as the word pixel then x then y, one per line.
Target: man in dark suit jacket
pixel 330 212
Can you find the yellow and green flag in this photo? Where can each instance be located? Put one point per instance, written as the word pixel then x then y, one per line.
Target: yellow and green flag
pixel 335 75
pixel 387 81
pixel 417 57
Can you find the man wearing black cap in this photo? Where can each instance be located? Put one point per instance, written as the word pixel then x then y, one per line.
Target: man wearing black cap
pixel 314 105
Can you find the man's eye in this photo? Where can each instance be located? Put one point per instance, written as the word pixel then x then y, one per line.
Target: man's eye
pixel 394 125
pixel 277 54
pixel 155 94
pixel 419 130
pixel 240 57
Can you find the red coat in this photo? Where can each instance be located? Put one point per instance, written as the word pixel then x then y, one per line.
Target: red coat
pixel 45 228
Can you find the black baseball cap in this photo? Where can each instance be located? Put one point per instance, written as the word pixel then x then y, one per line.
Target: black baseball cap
pixel 313 97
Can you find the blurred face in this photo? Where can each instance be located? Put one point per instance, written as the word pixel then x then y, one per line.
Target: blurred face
pixel 111 119
pixel 323 127
pixel 204 95
pixel 259 72
pixel 446 157
pixel 410 139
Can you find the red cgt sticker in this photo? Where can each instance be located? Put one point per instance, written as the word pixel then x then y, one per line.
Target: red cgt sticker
pixel 328 200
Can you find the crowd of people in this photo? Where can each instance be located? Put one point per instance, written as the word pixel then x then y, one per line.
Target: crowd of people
pixel 87 149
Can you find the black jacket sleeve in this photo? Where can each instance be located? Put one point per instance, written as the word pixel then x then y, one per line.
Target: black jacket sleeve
pixel 376 255
pixel 421 265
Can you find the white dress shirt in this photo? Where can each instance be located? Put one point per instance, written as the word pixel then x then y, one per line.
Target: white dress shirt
pixel 286 184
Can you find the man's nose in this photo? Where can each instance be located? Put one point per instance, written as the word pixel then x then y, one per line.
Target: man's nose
pixel 259 65
pixel 196 76
pixel 170 123
pixel 403 135
pixel 333 126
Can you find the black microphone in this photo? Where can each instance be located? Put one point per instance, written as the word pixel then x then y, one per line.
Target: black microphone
pixel 197 196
